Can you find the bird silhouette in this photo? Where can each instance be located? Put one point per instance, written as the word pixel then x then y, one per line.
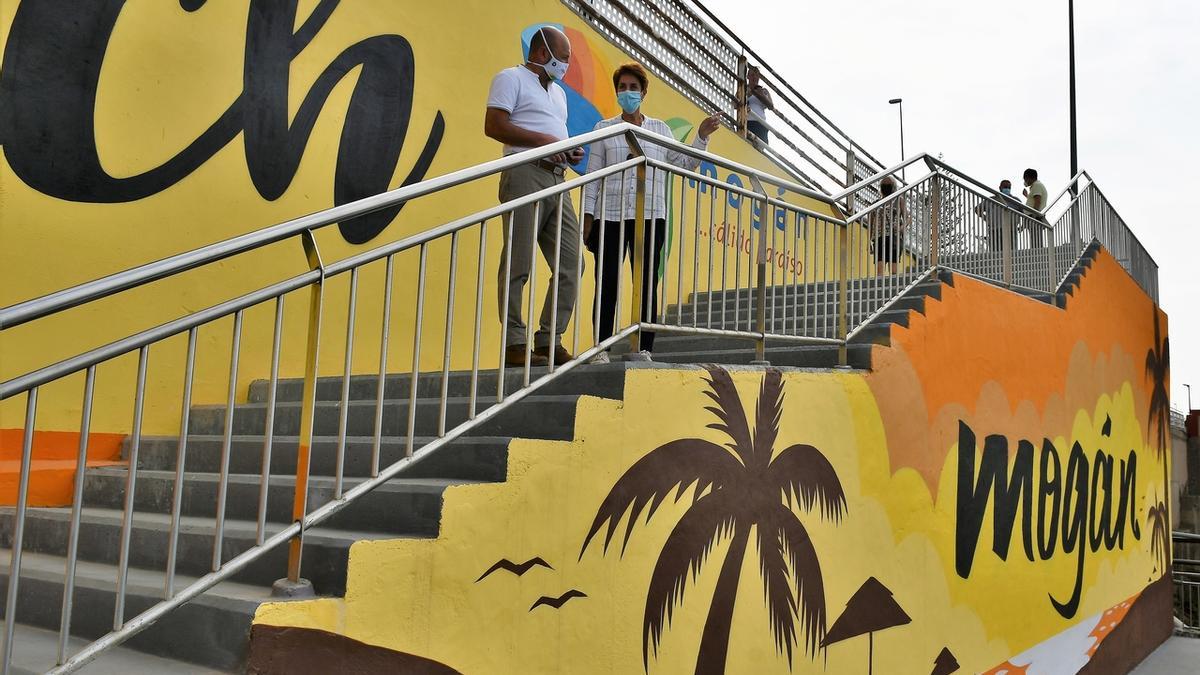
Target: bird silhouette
pixel 515 568
pixel 559 601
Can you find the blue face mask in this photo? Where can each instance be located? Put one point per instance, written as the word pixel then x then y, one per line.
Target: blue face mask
pixel 1007 191
pixel 629 100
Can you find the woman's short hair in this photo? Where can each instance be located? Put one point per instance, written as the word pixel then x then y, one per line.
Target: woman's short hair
pixel 634 69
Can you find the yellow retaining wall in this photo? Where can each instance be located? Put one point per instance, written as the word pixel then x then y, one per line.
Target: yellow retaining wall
pixel 167 76
pixel 1000 366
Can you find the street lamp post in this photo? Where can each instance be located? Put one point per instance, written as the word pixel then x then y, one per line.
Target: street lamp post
pixel 900 102
pixel 1071 67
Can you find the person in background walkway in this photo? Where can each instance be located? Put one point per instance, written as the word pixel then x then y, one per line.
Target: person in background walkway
pixel 759 100
pixel 1035 198
pixel 608 227
pixel 526 108
pixel 996 216
pixel 888 224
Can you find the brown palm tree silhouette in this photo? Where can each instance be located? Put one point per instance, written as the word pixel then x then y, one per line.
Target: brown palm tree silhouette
pixel 742 487
pixel 1157 520
pixel 1158 369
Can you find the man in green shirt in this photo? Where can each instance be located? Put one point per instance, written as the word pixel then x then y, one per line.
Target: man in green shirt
pixel 1035 198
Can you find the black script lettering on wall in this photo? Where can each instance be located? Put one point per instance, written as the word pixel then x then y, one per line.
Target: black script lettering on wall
pixel 48 86
pixel 1074 507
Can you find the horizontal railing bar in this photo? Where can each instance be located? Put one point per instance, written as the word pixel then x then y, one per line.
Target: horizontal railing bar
pixel 878 176
pixel 744 191
pixel 748 335
pixel 737 167
pixel 29 310
pixel 808 158
pixel 991 192
pixel 1071 183
pixel 791 166
pixel 911 187
pixel 161 332
pixel 475 218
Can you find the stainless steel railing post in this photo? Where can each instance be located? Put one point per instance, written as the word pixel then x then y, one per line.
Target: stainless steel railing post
pixel 639 236
pixel 843 260
pixel 293 584
pixel 760 291
pixel 14 570
pixel 935 220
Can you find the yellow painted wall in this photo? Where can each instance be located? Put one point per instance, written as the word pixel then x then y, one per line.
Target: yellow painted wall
pixel 167 75
pixel 1059 376
pixel 422 597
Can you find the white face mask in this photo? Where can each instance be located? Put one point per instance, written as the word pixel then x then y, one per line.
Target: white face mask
pixel 555 69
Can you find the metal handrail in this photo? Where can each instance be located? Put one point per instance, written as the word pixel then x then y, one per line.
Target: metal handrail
pixel 1071 186
pixel 23 312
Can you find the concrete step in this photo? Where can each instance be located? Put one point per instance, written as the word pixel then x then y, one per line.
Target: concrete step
pixel 324 561
pixel 402 506
pixel 467 458
pixel 811 290
pixel 210 631
pixel 667 344
pixel 550 417
pixel 812 325
pixel 825 301
pixel 859 356
pixel 36 651
pixel 607 382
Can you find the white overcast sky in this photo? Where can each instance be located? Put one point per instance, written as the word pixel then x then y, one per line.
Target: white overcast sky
pixel 986 85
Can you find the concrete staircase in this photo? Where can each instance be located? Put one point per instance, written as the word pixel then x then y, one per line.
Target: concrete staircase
pixel 210 632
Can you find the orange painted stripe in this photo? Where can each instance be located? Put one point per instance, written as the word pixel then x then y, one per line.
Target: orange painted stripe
pixel 50 445
pixel 52 470
pixel 50 481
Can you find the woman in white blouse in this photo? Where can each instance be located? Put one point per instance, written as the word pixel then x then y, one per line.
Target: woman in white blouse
pixel 602 223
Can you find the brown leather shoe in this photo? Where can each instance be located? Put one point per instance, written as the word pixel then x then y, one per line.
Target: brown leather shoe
pixel 561 355
pixel 514 355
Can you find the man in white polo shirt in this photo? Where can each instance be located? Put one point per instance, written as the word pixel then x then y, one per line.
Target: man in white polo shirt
pixel 526 109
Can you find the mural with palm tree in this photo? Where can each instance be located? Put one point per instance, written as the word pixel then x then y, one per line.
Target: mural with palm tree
pixel 1157 520
pixel 741 487
pixel 1158 369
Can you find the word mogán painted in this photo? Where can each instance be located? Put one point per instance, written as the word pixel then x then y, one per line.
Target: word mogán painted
pixel 1084 499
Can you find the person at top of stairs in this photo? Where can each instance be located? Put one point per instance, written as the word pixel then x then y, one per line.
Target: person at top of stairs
pixel 1035 198
pixel 615 234
pixel 888 225
pixel 526 108
pixel 758 103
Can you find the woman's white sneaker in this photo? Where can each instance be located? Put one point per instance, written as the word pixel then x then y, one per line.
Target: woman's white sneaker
pixel 602 357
